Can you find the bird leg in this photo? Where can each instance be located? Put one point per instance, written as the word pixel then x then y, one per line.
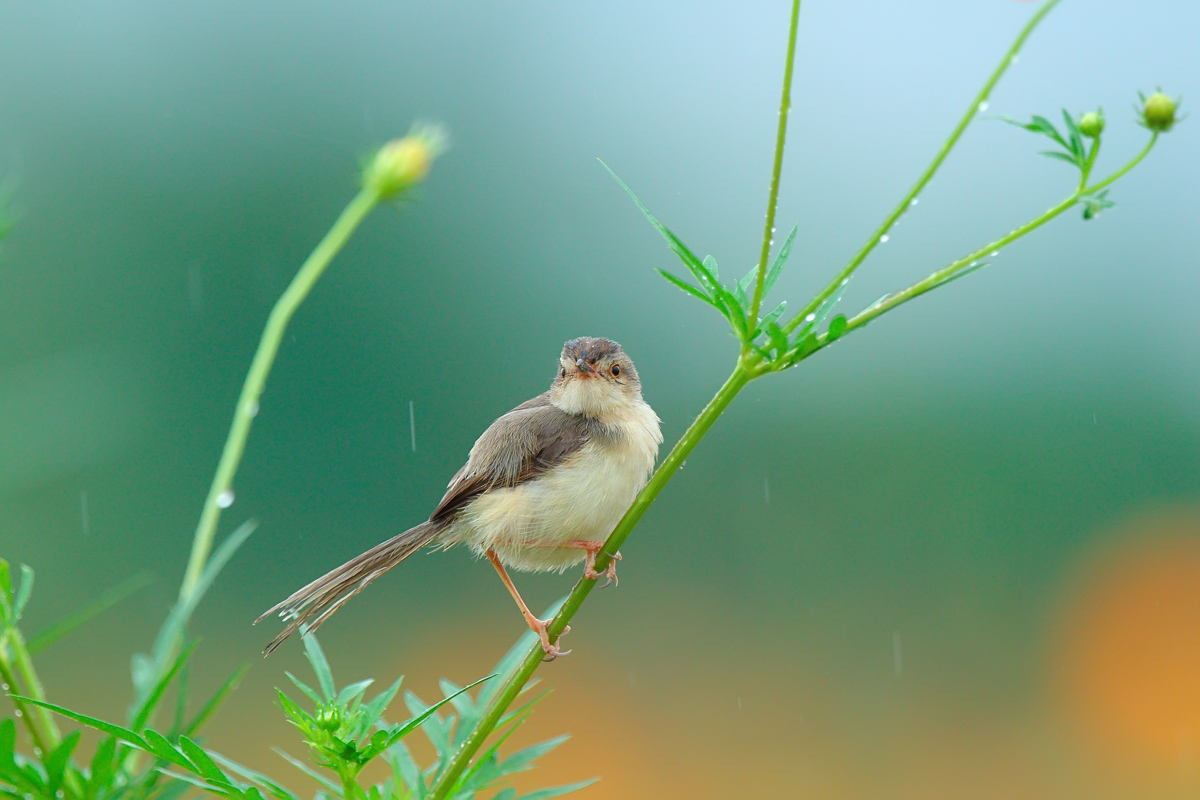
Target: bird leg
pixel 589 566
pixel 538 626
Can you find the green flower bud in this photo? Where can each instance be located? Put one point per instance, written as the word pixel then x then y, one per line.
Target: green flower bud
pixel 329 718
pixel 403 163
pixel 1158 112
pixel 1091 123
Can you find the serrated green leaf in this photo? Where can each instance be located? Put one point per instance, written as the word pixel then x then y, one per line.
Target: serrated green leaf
pixel 780 260
pixel 23 591
pixel 320 665
pixel 687 287
pixel 703 276
pixel 77 619
pixel 558 791
pixel 837 326
pixel 141 715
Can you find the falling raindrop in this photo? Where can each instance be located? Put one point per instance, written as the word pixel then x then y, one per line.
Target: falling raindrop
pixel 739 704
pixel 412 425
pixel 225 499
pixel 883 239
pixel 983 106
pixel 897 655
pixel 84 519
pixel 767 490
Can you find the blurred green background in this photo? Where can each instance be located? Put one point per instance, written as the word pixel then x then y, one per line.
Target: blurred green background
pixel 958 555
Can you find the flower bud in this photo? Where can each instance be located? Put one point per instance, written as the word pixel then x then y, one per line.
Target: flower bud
pixel 1158 112
pixel 1091 123
pixel 402 163
pixel 329 718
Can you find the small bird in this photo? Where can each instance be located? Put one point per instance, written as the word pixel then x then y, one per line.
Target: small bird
pixel 542 488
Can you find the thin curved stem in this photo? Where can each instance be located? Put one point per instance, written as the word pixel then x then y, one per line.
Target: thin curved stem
pixel 952 270
pixel 219 494
pixel 785 105
pixel 513 686
pixel 904 205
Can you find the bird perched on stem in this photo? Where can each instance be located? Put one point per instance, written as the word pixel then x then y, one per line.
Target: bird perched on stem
pixel 542 488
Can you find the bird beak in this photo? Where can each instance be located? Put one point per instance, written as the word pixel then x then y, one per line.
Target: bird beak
pixel 582 368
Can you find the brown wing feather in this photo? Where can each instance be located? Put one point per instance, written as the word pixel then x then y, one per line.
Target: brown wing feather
pixel 518 447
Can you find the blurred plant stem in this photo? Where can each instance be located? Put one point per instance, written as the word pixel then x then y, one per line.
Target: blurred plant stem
pixel 220 494
pixel 977 105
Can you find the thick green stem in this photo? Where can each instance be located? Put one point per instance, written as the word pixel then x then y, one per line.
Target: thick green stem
pixel 512 687
pixel 220 493
pixel 785 105
pixel 906 203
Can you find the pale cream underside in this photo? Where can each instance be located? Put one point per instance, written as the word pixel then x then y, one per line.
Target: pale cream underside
pixel 581 499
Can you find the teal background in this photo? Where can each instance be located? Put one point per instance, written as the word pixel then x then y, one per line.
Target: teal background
pixel 859 584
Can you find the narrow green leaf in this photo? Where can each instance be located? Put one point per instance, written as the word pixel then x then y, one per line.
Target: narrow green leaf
pixel 779 340
pixel 1046 127
pixel 373 710
pixel 274 789
pixel 205 767
pixel 348 693
pixel 710 263
pixel 507 794
pixel 142 714
pixel 221 791
pixel 316 657
pixel 157 744
pixel 124 734
pixel 1061 156
pixel 772 317
pixel 6 592
pixel 215 701
pixel 304 687
pixel 523 759
pixel 58 760
pixel 780 260
pixel 739 294
pixel 333 788
pixel 297 714
pixel 687 287
pixel 837 326
pixel 102 768
pixel 407 727
pixel 79 618
pixel 694 265
pixel 23 591
pixel 1074 139
pixel 558 791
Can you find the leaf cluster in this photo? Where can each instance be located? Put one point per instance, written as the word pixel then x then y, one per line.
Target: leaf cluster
pixel 1075 148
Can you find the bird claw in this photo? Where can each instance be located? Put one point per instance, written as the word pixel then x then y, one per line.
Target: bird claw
pixel 550 648
pixel 610 572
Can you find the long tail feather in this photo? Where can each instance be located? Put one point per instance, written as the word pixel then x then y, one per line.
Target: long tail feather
pixel 330 592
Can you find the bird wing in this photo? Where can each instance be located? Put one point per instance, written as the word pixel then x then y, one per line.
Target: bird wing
pixel 518 447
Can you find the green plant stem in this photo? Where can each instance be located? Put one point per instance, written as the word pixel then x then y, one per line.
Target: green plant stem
pixel 948 272
pixel 785 105
pixel 906 203
pixel 42 731
pixel 264 357
pixel 508 692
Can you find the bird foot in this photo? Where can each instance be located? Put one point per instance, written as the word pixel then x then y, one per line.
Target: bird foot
pixel 550 648
pixel 610 572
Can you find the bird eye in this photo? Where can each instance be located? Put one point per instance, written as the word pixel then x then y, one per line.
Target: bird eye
pixel 616 370
pixel 562 372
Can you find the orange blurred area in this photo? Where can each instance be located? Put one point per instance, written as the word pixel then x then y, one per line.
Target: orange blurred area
pixel 1126 655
